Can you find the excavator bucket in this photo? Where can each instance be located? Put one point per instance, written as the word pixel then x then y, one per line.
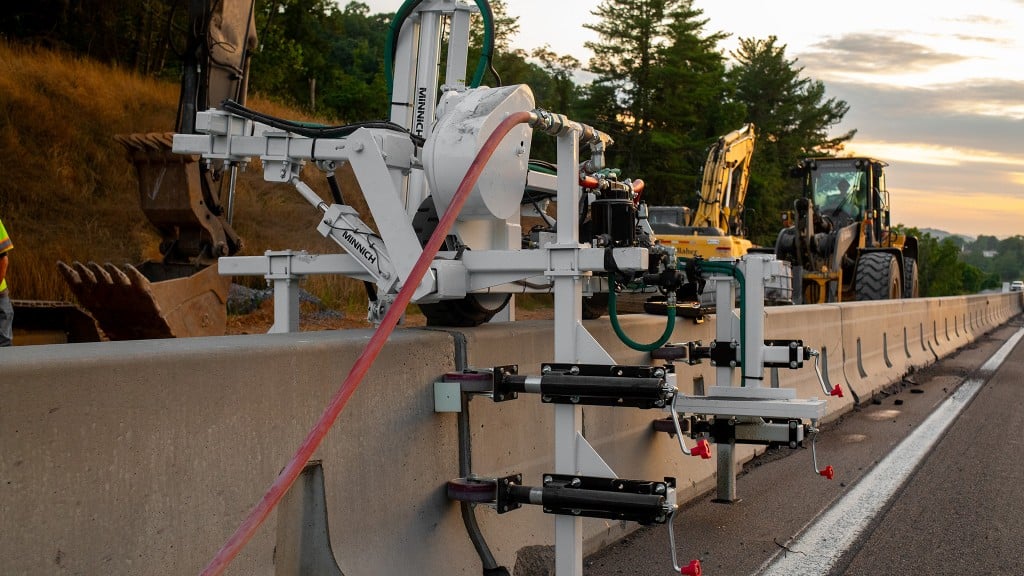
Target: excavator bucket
pixel 154 300
pixel 183 295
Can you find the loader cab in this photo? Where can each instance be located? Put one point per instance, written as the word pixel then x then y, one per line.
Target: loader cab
pixel 838 187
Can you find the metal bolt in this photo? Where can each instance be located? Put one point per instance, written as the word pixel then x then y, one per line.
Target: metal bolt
pixel 792 344
pixel 548 479
pixel 574 370
pixel 659 373
pixel 732 363
pixel 574 399
pixel 659 488
pixel 792 364
pixel 545 369
pixel 575 483
pixel 360 147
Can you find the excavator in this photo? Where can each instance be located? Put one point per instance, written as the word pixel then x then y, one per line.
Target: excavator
pixel 188 201
pixel 715 229
pixel 840 241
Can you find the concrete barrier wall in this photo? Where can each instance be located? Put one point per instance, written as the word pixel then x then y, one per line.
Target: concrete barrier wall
pixel 820 327
pixel 143 457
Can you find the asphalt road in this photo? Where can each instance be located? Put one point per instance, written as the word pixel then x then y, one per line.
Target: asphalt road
pixel 959 512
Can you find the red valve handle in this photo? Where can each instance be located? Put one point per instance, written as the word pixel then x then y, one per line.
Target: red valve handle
pixel 837 390
pixel 691 569
pixel 702 449
pixel 828 472
pixel 588 182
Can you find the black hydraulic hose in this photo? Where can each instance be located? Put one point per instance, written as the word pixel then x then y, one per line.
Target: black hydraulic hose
pixel 332 182
pixel 490 565
pixel 312 131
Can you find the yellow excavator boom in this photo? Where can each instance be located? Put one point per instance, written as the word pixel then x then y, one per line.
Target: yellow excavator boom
pixel 724 184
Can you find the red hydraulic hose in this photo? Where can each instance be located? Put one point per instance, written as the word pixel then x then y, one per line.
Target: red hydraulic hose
pixel 362 364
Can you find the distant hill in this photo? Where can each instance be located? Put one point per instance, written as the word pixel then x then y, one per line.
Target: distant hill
pixel 942 235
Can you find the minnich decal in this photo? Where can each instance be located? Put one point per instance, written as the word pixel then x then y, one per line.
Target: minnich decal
pixel 421 110
pixel 368 255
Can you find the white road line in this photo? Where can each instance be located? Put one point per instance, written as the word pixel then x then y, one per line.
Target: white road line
pixel 823 542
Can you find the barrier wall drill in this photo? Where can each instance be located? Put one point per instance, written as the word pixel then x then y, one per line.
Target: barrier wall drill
pixel 142 457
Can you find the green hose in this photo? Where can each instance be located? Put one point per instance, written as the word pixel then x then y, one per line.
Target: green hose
pixel 395 28
pixel 731 270
pixel 614 316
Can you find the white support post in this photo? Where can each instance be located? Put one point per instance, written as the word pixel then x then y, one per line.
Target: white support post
pixel 286 291
pixel 568 316
pixel 755 268
pixel 727 326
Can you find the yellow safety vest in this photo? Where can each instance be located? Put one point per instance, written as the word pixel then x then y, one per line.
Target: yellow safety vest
pixel 5 247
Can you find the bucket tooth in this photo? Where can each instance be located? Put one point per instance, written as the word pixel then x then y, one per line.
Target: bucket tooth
pixel 87 276
pixel 101 275
pixel 115 273
pixel 70 275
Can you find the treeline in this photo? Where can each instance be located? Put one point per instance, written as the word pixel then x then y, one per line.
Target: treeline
pixel 954 265
pixel 661 84
pixel 999 260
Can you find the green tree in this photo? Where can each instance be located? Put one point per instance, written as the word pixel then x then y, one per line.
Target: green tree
pixel 631 33
pixel 793 119
pixel 691 108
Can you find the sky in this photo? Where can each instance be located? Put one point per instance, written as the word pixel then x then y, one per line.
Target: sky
pixel 936 89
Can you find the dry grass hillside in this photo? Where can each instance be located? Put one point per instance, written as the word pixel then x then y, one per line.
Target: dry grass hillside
pixel 68 192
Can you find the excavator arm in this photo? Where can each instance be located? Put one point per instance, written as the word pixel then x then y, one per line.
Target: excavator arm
pixel 724 184
pixel 188 202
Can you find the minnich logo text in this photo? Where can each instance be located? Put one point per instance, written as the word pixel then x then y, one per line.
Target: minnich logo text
pixel 421 111
pixel 369 255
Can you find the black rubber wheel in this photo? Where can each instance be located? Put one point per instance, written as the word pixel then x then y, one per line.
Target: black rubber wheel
pixel 471 310
pixel 467 490
pixel 878 277
pixel 911 284
pixel 595 306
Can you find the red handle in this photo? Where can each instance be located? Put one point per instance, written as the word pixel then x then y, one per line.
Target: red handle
pixel 702 449
pixel 691 569
pixel 828 472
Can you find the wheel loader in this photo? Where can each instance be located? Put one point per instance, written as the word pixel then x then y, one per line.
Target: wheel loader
pixel 715 229
pixel 839 237
pixel 189 202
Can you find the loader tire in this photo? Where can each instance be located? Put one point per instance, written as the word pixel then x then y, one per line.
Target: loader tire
pixel 878 277
pixel 911 285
